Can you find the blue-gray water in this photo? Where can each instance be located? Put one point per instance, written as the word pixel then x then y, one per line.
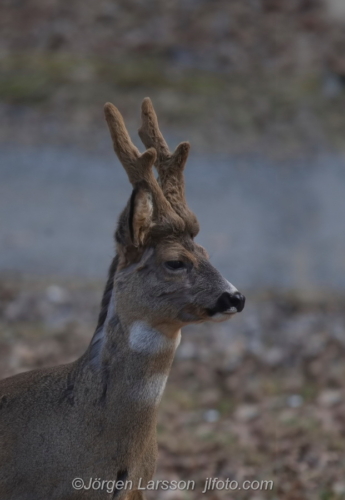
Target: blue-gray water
pixel 264 225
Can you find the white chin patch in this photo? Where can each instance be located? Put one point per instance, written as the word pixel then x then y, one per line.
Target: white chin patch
pixel 219 317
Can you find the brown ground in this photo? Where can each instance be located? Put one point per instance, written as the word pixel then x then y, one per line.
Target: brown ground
pixel 261 397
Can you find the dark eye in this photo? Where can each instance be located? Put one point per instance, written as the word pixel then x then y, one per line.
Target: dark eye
pixel 175 265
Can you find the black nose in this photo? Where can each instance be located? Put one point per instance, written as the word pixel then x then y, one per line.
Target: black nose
pixel 226 301
pixel 238 300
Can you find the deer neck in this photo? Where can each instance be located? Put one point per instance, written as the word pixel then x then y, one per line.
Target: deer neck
pixel 134 359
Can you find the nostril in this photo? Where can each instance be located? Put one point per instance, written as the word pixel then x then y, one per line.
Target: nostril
pixel 238 300
pixel 228 301
pixel 224 302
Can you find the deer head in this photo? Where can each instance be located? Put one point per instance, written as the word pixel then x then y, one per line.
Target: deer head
pixel 163 275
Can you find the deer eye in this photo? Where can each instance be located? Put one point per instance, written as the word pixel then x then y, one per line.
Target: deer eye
pixel 175 265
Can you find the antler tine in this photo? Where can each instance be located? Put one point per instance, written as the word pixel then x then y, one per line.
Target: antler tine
pixel 152 137
pixel 150 134
pixel 169 165
pixel 138 166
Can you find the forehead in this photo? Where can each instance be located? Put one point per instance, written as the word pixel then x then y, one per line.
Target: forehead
pixel 180 249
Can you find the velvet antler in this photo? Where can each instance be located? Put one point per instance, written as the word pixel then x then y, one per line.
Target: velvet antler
pixel 138 166
pixel 169 165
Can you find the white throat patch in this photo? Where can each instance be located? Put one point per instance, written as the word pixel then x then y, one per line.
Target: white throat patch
pixel 147 340
pixel 149 391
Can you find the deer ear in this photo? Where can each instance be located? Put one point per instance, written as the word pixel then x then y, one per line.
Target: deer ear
pixel 140 216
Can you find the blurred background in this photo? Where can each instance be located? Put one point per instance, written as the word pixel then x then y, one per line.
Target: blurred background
pixel 258 88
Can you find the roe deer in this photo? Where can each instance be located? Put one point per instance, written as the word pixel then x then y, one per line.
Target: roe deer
pixel 96 417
